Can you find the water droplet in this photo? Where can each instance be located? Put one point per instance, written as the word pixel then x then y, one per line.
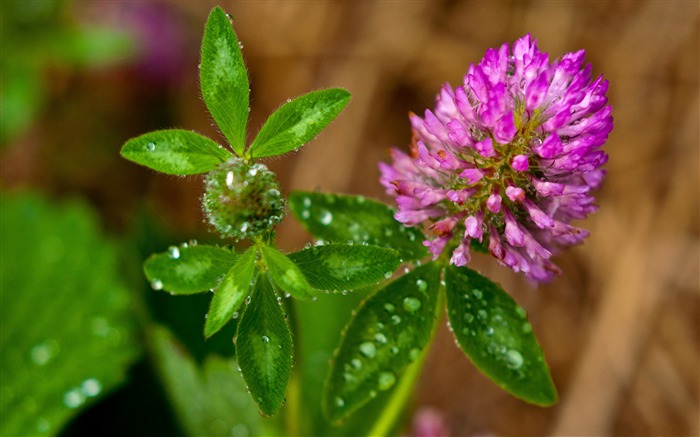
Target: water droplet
pixel 244 227
pixel 326 217
pixel 229 179
pixel 468 317
pixel 380 326
pixel 395 319
pixel 527 328
pixel 380 338
pixel 151 147
pixel 279 300
pixel 265 339
pixel 174 252
pixel 253 171
pixel 240 44
pixel 73 398
pixel 520 311
pixel 412 237
pixel 477 293
pixel 247 300
pixel 482 314
pixel 289 100
pixel 411 304
pixel 235 315
pixel 413 354
pixel 421 284
pixel 489 330
pixel 157 284
pixel 388 274
pixel 386 380
pixel 305 214
pixel 339 402
pixel 394 350
pixel 513 359
pixel 368 349
pixel 389 307
pixel 91 387
pixel 44 352
pixel 356 363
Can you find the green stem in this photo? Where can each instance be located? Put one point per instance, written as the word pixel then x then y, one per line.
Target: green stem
pixel 401 394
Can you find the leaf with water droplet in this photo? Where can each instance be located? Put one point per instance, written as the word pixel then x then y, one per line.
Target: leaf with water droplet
pixel 357 219
pixel 224 79
pixel 490 331
pixel 345 267
pixel 285 274
pixel 65 307
pixel 298 121
pixel 175 151
pixel 382 359
pixel 266 365
pixel 232 290
pixel 196 268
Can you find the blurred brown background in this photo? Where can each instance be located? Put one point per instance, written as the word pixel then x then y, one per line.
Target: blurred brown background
pixel 620 328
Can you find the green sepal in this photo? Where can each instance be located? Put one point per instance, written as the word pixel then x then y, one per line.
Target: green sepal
pixel 494 332
pixel 231 292
pixel 189 270
pixel 339 267
pixel 175 151
pixel 389 331
pixel 224 79
pixel 264 347
pixel 298 121
pixel 342 218
pixel 285 274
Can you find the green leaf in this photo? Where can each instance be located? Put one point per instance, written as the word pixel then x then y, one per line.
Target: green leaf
pixel 494 333
pixel 224 79
pixel 345 267
pixel 340 218
pixel 188 270
pixel 232 290
pixel 68 333
pixel 285 274
pixel 389 331
pixel 298 121
pixel 264 348
pixel 175 151
pixel 203 397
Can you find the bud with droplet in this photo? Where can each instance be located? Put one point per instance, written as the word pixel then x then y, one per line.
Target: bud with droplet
pixel 242 200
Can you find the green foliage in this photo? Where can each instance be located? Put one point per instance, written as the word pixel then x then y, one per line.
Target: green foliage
pixel 67 333
pixel 231 292
pixel 340 218
pixel 175 151
pixel 224 79
pixel 209 400
pixel 35 36
pixel 389 331
pixel 189 269
pixel 339 267
pixel 264 348
pixel 494 333
pixel 285 274
pixel 298 121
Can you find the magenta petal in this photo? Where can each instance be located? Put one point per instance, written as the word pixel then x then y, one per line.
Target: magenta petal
pixel 485 148
pixel 505 129
pixel 514 236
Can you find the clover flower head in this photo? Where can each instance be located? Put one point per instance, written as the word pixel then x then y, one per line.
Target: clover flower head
pixel 507 160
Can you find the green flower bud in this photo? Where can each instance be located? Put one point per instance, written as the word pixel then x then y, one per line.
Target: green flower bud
pixel 242 200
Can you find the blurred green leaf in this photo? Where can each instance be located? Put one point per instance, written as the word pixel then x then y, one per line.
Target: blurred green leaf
pixel 340 218
pixel 494 333
pixel 264 348
pixel 92 46
pixel 67 333
pixel 345 267
pixel 298 121
pixel 175 151
pixel 285 274
pixel 224 79
pixel 232 290
pixel 188 270
pixel 389 331
pixel 210 400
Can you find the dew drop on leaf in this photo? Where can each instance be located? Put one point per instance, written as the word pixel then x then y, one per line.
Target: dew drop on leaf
pixel 356 363
pixel 514 359
pixel 73 398
pixel 395 319
pixel 421 284
pixel 368 349
pixel 91 387
pixel 389 308
pixel 151 146
pixel 326 217
pixel 174 252
pixel 339 402
pixel 265 339
pixel 157 284
pixel 386 380
pixel 380 338
pixel 413 354
pixel 411 304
